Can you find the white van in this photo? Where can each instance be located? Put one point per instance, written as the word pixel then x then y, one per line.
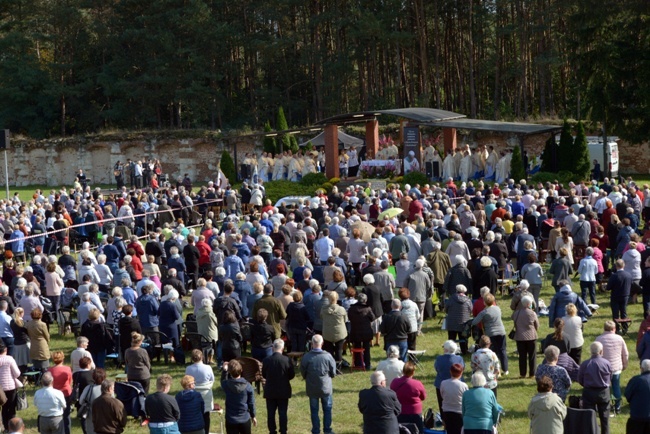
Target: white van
pixel 595 145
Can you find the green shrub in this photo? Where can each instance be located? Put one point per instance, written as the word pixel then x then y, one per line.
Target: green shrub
pixel 550 151
pixel 413 178
pixel 566 156
pixel 284 141
pixel 517 169
pixel 398 179
pixel 544 177
pixel 313 179
pixel 269 142
pixel 228 167
pixel 327 186
pixel 582 164
pixel 335 181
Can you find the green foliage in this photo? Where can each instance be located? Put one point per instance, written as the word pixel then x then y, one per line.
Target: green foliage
pixel 335 181
pixel 327 186
pixel 550 153
pixel 565 157
pixel 269 142
pixel 309 147
pixel 227 166
pixel 313 179
pixel 284 141
pixel 517 169
pixel 581 163
pixel 545 177
pixel 413 178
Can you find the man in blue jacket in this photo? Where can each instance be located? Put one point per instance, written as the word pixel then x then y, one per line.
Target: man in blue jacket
pixel 637 394
pixel 318 368
pixel 619 285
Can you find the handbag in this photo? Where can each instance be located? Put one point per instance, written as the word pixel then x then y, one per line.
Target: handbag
pixel 21 400
pixel 511 335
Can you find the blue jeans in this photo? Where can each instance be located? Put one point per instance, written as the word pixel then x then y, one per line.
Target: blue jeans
pixel 326 403
pixel 616 389
pixel 99 358
pixel 261 353
pixel 403 348
pixel 168 430
pixel 588 287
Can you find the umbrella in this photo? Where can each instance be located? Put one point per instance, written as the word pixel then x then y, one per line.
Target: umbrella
pixel 365 228
pixel 390 212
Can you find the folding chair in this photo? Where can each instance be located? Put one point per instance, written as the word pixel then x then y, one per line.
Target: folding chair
pixel 414 356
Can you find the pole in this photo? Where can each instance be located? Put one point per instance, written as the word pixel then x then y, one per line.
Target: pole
pixel 605 162
pixel 6 174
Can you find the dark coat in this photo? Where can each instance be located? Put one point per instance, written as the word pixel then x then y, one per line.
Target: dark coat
pixel 375 300
pixel 484 276
pixel 457 275
pixel 360 316
pixel 499 252
pixel 395 327
pixel 380 408
pixel 278 370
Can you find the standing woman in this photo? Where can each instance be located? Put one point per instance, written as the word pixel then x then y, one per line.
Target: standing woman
pixel 452 391
pixel 240 399
pixel 230 337
pixel 361 318
pixel 480 408
pixel 297 320
pixel 334 329
pixel 262 335
pixel 494 329
pixel 443 366
pixel 567 242
pixel 357 251
pixel 412 314
pixel 459 310
pixel 138 365
pixel 21 340
pixel 410 393
pixel 96 330
pixel 557 338
pixel 526 324
pixel 62 376
pixel 39 351
pixel 573 332
pixel 534 274
pixel 53 285
pixel 207 326
pixel 9 374
pixel 169 314
pixel 191 406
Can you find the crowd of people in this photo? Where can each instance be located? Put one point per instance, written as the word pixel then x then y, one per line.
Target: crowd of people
pixel 318 279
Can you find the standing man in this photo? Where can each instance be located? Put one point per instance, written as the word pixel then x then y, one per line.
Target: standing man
pixel 318 368
pixel 278 371
pixel 108 413
pixel 637 394
pixel 50 404
pixel 395 329
pixel 379 406
pixel 595 376
pixel 615 351
pixel 619 285
pixel 16 426
pixel 191 254
pixel 273 307
pixel 162 408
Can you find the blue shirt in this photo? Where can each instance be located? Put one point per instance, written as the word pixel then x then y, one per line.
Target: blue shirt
pixel 5 329
pixel 148 311
pixel 442 366
pixel 595 373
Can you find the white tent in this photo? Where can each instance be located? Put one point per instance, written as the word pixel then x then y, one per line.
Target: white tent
pixel 345 140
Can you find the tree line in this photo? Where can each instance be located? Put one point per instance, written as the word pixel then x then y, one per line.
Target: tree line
pixel 77 66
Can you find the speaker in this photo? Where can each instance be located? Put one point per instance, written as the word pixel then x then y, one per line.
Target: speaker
pixel 4 139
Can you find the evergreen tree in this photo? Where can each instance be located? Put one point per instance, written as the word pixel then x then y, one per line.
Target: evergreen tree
pixel 269 142
pixel 565 157
pixel 580 160
pixel 517 169
pixel 549 156
pixel 284 141
pixel 227 166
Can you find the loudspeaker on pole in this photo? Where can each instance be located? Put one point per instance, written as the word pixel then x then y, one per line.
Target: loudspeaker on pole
pixel 4 139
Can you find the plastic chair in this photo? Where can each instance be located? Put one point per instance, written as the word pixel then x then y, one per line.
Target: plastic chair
pixel 160 342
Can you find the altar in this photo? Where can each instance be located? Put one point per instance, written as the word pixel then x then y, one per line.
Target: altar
pixel 380 169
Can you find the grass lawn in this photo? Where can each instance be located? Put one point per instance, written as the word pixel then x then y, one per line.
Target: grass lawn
pixel 514 393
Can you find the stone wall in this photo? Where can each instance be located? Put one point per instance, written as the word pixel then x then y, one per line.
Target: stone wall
pixel 55 162
pixel 634 159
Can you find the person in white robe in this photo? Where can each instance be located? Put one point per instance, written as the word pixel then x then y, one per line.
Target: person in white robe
pixel 449 167
pixel 458 157
pixel 293 169
pixel 466 167
pixel 263 167
pixel 437 164
pixel 491 164
pixel 502 170
pixel 411 163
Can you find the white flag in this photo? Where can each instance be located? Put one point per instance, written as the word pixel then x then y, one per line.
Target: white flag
pixel 222 181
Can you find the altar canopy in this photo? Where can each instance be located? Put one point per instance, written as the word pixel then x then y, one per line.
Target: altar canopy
pixel 345 140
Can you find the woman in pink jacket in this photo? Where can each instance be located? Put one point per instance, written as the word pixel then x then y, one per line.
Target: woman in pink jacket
pixel 53 285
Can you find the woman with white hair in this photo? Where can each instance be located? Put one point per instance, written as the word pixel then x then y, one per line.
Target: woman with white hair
pixel 480 408
pixel 443 364
pixel 104 273
pixel 526 325
pixel 169 314
pixel 494 329
pixel 392 366
pixel 458 274
pixel 484 276
pixel 533 273
pixel 520 292
pixel 459 310
pixel 207 324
